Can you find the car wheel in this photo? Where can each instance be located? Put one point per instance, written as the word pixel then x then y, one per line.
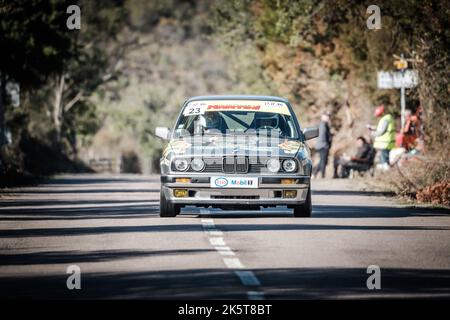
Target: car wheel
pixel 304 210
pixel 167 208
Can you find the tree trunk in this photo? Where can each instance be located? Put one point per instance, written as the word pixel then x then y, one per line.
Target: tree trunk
pixel 58 108
pixel 2 122
pixel 2 110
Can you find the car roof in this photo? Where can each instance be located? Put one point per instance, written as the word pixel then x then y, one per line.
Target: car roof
pixel 237 97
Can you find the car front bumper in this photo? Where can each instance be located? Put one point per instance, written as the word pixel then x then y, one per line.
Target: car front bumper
pixel 270 191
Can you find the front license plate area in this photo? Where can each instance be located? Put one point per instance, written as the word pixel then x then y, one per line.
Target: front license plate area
pixel 234 182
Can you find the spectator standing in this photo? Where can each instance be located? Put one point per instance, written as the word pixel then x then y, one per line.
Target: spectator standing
pixel 384 136
pixel 323 145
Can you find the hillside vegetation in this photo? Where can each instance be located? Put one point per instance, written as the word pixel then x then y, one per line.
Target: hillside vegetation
pixel 99 92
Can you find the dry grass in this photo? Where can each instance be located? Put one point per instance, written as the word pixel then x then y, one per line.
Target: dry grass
pixel 426 180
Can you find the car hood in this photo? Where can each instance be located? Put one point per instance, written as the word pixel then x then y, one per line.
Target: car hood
pixel 216 146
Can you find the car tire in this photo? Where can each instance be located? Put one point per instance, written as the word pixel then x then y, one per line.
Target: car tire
pixel 166 208
pixel 304 210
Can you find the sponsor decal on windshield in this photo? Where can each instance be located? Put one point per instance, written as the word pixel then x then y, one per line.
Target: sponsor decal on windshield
pixel 200 107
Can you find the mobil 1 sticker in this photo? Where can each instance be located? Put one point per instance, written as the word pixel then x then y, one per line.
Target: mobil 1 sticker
pixel 234 182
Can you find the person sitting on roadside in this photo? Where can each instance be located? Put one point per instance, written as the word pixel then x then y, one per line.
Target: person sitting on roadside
pixel 411 129
pixel 360 161
pixel 414 154
pixel 409 139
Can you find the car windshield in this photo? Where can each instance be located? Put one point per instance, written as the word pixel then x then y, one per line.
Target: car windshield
pixel 236 117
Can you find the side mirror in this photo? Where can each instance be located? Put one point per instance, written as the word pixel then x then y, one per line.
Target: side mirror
pixel 311 133
pixel 162 132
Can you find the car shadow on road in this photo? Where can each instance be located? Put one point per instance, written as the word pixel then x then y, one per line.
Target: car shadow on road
pixel 238 214
pixel 55 190
pixel 33 205
pixel 78 256
pixel 352 193
pixel 132 209
pixel 330 211
pixel 114 209
pixel 86 231
pixel 181 227
pixel 277 283
pixel 364 211
pixel 324 227
pixel 94 179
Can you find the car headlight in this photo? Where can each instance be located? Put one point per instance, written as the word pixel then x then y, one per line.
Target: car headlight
pixel 289 165
pixel 181 164
pixel 273 165
pixel 197 164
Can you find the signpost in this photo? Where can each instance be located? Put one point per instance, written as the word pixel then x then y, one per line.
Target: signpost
pixel 399 80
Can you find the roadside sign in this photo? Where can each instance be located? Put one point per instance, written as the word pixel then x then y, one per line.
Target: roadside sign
pixel 397 80
pixel 401 64
pixel 13 92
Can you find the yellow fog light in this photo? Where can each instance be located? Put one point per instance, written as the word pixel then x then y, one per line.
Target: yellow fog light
pixel 180 193
pixel 183 180
pixel 289 193
pixel 287 181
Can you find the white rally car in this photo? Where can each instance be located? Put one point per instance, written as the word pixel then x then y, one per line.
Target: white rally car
pixel 236 152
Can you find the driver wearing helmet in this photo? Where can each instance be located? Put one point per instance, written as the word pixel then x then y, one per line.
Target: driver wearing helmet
pixel 209 122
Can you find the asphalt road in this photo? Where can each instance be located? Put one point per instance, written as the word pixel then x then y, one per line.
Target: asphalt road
pixel 109 226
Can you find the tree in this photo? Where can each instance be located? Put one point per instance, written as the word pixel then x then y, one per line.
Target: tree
pixel 34 46
pixel 98 57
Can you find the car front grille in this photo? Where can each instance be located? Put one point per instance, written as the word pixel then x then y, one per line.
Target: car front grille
pixel 213 165
pixel 228 164
pixel 233 165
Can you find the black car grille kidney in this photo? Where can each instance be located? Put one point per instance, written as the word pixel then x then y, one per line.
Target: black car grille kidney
pixel 228 164
pixel 233 165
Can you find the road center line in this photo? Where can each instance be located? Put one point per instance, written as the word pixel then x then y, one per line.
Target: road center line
pixel 233 263
pixel 217 241
pixel 246 277
pixel 255 295
pixel 225 251
pixel 214 232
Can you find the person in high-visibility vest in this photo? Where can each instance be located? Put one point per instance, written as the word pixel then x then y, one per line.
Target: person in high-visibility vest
pixel 384 135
